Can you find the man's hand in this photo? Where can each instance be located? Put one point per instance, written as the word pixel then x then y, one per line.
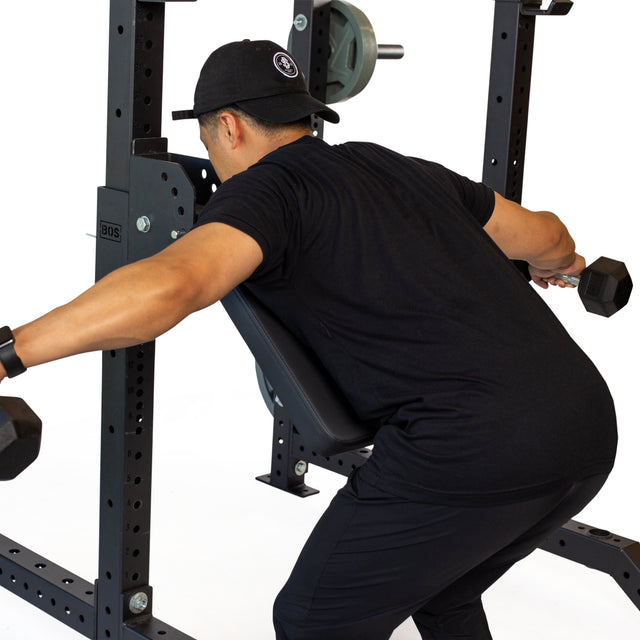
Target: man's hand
pixel 545 277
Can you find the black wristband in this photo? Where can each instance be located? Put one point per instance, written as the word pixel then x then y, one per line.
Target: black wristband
pixel 8 356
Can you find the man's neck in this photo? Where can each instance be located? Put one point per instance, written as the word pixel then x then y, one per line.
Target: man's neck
pixel 270 144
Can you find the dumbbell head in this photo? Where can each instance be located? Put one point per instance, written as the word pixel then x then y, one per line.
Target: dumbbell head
pixel 20 435
pixel 605 286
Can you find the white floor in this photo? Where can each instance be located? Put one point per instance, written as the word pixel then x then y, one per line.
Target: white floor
pixel 215 572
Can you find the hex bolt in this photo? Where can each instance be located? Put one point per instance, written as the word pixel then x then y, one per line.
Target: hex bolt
pixel 177 234
pixel 300 468
pixel 139 602
pixel 300 22
pixel 143 224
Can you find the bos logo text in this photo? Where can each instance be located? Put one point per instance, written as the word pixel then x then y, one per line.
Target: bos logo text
pixel 110 231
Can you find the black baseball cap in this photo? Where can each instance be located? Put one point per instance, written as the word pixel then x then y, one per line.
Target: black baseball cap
pixel 261 78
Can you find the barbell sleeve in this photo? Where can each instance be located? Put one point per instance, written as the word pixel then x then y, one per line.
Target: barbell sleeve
pixel 390 51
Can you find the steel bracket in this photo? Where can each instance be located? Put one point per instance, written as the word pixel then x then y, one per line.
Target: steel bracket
pixel 555 8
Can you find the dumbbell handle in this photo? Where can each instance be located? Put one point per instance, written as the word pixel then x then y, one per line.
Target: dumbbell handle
pixel 574 281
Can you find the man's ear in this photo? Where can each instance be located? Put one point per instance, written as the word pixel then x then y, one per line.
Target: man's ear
pixel 230 129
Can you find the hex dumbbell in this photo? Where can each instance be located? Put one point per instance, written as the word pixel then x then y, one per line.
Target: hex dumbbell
pixel 604 286
pixel 20 436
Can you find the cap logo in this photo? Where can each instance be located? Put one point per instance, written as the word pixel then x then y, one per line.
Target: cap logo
pixel 284 63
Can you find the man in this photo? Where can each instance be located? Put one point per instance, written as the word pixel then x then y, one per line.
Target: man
pixel 493 427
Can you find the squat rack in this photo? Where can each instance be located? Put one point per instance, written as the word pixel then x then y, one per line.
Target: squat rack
pixel 150 198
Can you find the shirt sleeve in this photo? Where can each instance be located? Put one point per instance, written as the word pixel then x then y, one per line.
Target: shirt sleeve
pixel 255 205
pixel 479 199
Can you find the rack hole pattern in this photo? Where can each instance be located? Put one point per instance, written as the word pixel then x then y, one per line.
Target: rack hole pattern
pixel 522 82
pixel 149 26
pixel 179 201
pixel 46 586
pixel 508 103
pixel 130 434
pixel 628 580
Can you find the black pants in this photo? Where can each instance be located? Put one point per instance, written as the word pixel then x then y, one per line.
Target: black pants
pixel 375 559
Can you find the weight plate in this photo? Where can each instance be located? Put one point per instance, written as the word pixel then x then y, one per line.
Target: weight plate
pixel 354 52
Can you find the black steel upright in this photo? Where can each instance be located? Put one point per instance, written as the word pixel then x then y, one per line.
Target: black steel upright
pixel 136 41
pixel 509 90
pixel 503 171
pixel 148 201
pixel 311 47
pixel 509 87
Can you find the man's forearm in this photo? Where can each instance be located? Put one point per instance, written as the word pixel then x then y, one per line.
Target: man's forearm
pixel 537 237
pixel 559 250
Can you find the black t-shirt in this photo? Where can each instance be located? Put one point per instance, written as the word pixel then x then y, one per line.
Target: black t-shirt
pixel 380 264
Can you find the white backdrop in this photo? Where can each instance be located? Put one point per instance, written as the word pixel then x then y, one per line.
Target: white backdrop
pixel 222 543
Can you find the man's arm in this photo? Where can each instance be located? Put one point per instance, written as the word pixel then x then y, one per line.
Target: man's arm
pixel 537 237
pixel 139 302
